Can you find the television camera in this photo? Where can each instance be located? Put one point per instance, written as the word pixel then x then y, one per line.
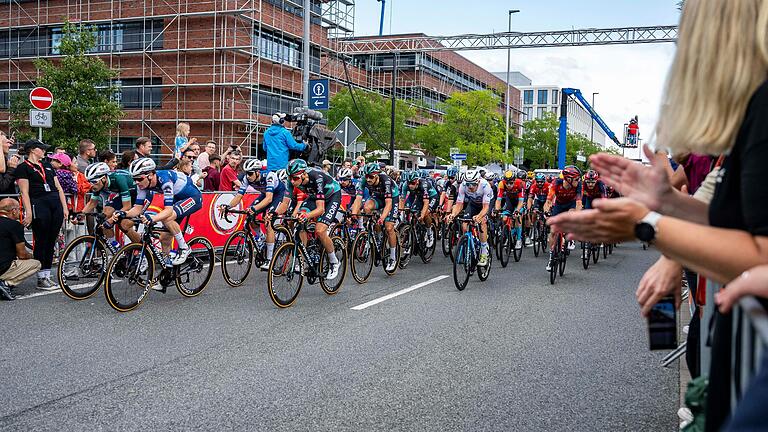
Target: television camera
pixel 310 130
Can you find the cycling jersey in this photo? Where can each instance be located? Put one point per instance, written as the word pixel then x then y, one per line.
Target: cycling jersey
pixel 423 191
pixel 450 189
pixel 179 191
pixel 386 188
pixel 320 185
pixel 511 189
pixel 481 195
pixel 562 195
pixel 118 190
pixel 540 193
pixel 351 189
pixel 271 184
pixel 588 195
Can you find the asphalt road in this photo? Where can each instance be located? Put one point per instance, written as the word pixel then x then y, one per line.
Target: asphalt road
pixel 511 354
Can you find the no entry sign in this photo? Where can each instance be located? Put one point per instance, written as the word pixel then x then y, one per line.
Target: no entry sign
pixel 41 98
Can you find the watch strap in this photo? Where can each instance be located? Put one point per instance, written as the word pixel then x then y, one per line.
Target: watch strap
pixel 652 219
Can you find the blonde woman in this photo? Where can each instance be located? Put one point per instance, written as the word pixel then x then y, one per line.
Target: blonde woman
pixel 182 138
pixel 716 102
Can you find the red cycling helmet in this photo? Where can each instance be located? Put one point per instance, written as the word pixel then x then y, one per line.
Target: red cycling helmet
pixel 592 175
pixel 571 172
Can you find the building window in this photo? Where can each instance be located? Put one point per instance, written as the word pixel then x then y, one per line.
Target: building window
pixel 128 36
pixel 542 97
pixel 8 91
pixel 284 50
pixel 270 103
pixel 555 97
pixel 528 97
pixel 136 93
pixel 23 42
pixel 528 111
pixel 540 112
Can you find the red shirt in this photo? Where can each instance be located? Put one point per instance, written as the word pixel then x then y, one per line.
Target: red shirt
pixel 561 195
pixel 633 128
pixel 212 180
pixel 540 192
pixel 511 189
pixel 227 179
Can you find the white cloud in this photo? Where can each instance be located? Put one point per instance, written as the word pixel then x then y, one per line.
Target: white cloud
pixel 629 78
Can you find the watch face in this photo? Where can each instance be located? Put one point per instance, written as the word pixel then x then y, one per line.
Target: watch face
pixel 645 232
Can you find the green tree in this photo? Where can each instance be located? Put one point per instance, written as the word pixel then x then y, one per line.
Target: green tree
pixel 372 113
pixel 84 96
pixel 471 122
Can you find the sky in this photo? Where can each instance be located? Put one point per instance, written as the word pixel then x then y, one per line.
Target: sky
pixel 629 78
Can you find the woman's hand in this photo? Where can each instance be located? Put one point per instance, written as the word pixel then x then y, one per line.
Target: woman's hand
pixel 27 221
pixel 751 282
pixel 611 221
pixel 663 278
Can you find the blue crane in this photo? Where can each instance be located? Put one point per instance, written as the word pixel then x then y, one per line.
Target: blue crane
pixel 563 131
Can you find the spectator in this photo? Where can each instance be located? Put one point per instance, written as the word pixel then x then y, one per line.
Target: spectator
pixel 83 188
pixel 184 167
pixel 205 157
pixel 198 177
pixel 109 158
pixel 127 157
pixel 8 165
pixel 278 142
pixel 193 150
pixel 228 181
pixel 144 150
pixel 327 166
pixel 86 151
pixel 735 221
pixel 212 174
pixel 348 163
pixel 61 163
pixel 182 138
pixel 42 195
pixel 15 262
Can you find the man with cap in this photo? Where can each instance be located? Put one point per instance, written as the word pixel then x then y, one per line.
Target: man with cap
pixel 15 262
pixel 327 166
pixel 278 142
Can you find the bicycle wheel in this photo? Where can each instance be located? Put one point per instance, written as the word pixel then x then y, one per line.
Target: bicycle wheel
pixel 517 252
pixel 605 250
pixel 563 254
pixel 462 264
pixel 595 253
pixel 192 277
pixel 361 263
pixel 282 235
pixel 427 252
pixel 332 286
pixel 536 237
pixel 237 259
pixel 485 271
pixel 502 247
pixel 585 254
pixel 553 268
pixel 610 248
pixel 129 277
pixel 406 239
pixel 445 239
pixel 453 239
pixel 82 267
pixel 284 279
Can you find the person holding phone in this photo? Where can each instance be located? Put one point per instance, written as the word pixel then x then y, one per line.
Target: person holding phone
pixel 45 207
pixel 8 163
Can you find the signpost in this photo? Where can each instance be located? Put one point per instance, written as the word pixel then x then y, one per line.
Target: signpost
pixel 41 99
pixel 318 94
pixel 348 133
pixel 457 158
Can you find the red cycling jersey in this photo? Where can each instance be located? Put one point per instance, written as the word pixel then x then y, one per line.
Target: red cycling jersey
pixel 540 192
pixel 512 190
pixel 598 191
pixel 562 195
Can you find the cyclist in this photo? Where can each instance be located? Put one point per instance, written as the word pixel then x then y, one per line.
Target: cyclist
pixel 564 195
pixel 114 190
pixel 384 195
pixel 538 193
pixel 550 179
pixel 490 177
pixel 448 195
pixel 421 196
pixel 512 193
pixel 478 194
pixel 326 203
pixel 592 188
pixel 181 198
pixel 266 202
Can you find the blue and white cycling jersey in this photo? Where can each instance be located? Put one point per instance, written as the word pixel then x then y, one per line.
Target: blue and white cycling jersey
pixel 174 185
pixel 482 195
pixel 272 182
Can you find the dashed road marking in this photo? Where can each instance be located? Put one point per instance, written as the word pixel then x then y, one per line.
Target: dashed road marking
pixel 398 293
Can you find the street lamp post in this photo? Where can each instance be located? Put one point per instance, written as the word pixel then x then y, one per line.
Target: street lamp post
pixel 509 59
pixel 592 125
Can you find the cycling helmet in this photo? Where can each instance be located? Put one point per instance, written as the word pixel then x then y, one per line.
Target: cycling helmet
pixel 282 175
pixel 571 172
pixel 94 172
pixel 344 174
pixel 591 175
pixel 489 176
pixel 452 171
pixel 550 178
pixel 371 168
pixel 522 175
pixel 540 177
pixel 142 166
pixel 472 177
pixel 508 174
pixel 531 175
pixel 296 166
pixel 252 165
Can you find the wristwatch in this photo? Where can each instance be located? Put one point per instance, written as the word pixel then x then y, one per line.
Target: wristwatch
pixel 646 229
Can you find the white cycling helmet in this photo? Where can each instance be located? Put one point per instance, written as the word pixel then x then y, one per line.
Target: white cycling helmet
pixel 472 177
pixel 96 171
pixel 252 165
pixel 142 166
pixel 282 175
pixel 344 173
pixel 489 175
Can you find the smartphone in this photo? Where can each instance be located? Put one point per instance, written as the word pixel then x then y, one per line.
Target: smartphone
pixel 662 325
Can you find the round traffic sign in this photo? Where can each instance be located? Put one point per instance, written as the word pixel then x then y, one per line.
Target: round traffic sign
pixel 41 98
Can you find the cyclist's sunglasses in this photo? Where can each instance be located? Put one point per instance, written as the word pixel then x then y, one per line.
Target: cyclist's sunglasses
pixel 414 181
pixel 372 176
pixel 96 181
pixel 251 172
pixel 296 176
pixel 138 179
pixel 469 185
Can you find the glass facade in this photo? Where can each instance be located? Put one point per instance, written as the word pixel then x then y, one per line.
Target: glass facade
pixel 284 50
pixel 542 97
pixel 268 103
pixel 555 97
pixel 136 93
pixel 7 91
pixel 528 97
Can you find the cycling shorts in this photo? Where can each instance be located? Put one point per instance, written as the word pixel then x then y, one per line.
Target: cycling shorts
pixel 509 205
pixel 562 208
pixel 539 204
pixel 116 202
pixel 472 209
pixel 332 207
pixel 272 207
pixel 185 207
pixel 393 214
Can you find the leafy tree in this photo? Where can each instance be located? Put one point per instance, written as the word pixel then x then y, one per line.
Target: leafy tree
pixel 471 122
pixel 84 96
pixel 372 113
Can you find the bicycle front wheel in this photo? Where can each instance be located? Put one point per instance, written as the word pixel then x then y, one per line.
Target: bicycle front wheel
pixel 502 247
pixel 237 259
pixel 586 253
pixel 129 277
pixel 331 286
pixel 427 252
pixel 405 237
pixel 361 263
pixel 462 264
pixel 192 277
pixel 536 236
pixel 284 279
pixel 82 267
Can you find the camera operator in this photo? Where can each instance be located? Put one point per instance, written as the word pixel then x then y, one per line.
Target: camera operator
pixel 278 142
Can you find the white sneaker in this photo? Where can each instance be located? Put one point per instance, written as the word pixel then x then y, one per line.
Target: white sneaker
pixel 518 244
pixel 391 264
pixel 685 414
pixel 265 266
pixel 157 287
pixel 46 284
pixel 549 264
pixel 181 256
pixel 333 271
pixel 143 263
pixel 572 245
pixel 430 239
pixel 528 242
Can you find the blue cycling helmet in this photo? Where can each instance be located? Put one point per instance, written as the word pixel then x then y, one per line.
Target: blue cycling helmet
pixel 452 171
pixel 540 177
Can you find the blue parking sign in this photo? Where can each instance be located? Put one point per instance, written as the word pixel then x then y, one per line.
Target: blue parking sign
pixel 318 94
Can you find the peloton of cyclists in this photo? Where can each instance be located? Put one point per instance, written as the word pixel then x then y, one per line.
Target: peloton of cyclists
pixel 115 191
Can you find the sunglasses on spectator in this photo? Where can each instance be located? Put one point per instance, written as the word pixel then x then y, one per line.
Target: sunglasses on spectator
pixel 190 157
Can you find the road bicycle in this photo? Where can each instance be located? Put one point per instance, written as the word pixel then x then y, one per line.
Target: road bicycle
pixel 83 262
pixel 247 246
pixel 131 272
pixel 293 261
pixel 467 256
pixel 413 239
pixel 539 232
pixel 559 257
pixel 589 251
pixel 371 249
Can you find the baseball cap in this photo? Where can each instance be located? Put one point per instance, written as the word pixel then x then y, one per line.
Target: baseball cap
pixel 63 158
pixel 33 143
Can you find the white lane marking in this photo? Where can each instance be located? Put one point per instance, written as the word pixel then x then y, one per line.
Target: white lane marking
pixel 401 292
